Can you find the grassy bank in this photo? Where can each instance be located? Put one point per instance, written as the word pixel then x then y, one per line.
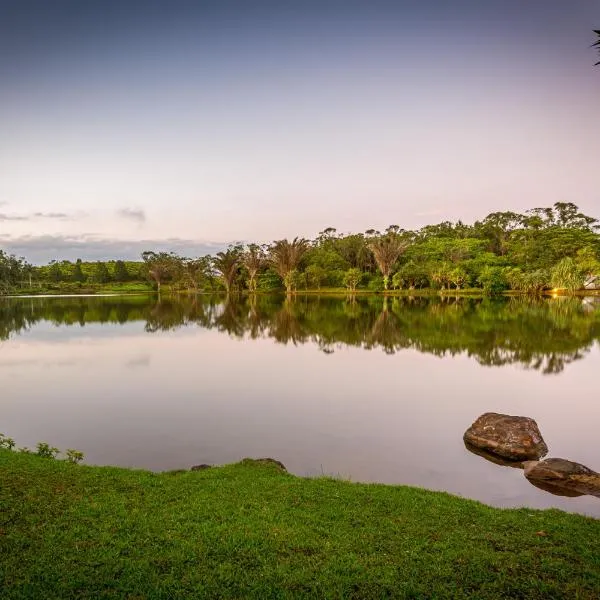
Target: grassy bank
pixel 250 530
pixel 84 289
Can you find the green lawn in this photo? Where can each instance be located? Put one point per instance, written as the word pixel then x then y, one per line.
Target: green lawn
pixel 250 530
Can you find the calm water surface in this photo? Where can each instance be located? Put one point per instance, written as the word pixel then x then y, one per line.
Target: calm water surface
pixel 366 389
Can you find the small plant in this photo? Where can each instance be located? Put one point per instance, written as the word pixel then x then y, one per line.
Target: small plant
pixel 25 450
pixel 6 442
pixel 74 456
pixel 46 451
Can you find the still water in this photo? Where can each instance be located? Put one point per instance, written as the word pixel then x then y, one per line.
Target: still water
pixel 365 389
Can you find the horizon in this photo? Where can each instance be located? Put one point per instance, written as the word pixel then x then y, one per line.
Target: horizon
pixel 191 126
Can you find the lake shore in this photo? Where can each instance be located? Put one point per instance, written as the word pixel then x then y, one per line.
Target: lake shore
pixel 140 288
pixel 252 530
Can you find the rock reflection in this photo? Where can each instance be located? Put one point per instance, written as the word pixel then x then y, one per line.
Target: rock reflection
pixel 494 458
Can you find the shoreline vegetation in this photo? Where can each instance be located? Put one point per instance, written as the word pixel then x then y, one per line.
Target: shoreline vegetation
pixel 544 250
pixel 251 529
pixel 142 289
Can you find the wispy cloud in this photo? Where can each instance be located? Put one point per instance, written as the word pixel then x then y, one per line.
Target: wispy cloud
pixel 434 212
pixel 133 214
pixel 39 215
pixel 43 248
pixel 52 215
pixel 5 217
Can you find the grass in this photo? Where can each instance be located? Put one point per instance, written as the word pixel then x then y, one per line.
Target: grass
pixel 87 288
pixel 249 530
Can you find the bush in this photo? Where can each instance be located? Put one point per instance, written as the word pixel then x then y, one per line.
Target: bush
pixel 493 280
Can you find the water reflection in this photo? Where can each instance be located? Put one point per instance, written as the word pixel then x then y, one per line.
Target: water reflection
pixel 541 334
pixel 349 387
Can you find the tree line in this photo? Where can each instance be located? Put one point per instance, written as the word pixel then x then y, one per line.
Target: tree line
pixel 541 249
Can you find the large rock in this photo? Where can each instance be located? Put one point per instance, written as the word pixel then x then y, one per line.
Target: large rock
pixel 514 438
pixel 565 475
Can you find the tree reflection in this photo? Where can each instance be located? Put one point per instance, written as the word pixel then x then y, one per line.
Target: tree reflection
pixel 541 334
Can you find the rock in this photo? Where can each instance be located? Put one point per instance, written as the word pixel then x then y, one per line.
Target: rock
pixel 563 475
pixel 514 438
pixel 264 461
pixel 200 467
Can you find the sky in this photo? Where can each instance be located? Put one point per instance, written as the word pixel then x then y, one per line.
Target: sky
pixel 185 126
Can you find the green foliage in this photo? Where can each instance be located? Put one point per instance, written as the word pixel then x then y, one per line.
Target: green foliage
pixel 120 273
pixel 46 451
pixel 101 274
pixel 293 280
pixel 43 450
pixel 566 275
pixel 268 281
pixel 375 284
pixel 315 276
pixel 77 276
pixel 526 247
pixel 493 280
pixel 353 278
pixel 6 442
pixel 532 282
pixel 74 456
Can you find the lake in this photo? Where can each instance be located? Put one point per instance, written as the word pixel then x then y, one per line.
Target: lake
pixel 365 389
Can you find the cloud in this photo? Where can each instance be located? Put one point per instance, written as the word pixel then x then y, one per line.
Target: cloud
pixel 52 215
pixel 40 249
pixel 133 214
pixel 5 217
pixel 40 215
pixel 434 212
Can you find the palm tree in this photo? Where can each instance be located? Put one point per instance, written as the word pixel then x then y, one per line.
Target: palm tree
pixel 285 256
pixel 227 264
pixel 160 266
pixel 253 259
pixel 387 249
pixel 597 44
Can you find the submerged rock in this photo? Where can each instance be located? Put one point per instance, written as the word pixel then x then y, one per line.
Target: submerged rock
pixel 513 438
pixel 563 475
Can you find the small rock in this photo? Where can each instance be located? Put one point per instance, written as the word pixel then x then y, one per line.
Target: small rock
pixel 200 467
pixel 265 461
pixel 561 474
pixel 514 438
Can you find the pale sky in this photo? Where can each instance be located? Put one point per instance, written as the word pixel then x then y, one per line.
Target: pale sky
pixel 188 125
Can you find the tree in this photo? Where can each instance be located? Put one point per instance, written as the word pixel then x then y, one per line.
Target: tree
pixel 227 264
pixel 493 280
pixel 253 259
pixel 121 274
pixel 54 272
pixel 101 274
pixel 285 256
pixel 457 276
pixel 78 276
pixel 387 249
pixel 315 276
pixel 352 278
pixel 597 43
pixel 160 266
